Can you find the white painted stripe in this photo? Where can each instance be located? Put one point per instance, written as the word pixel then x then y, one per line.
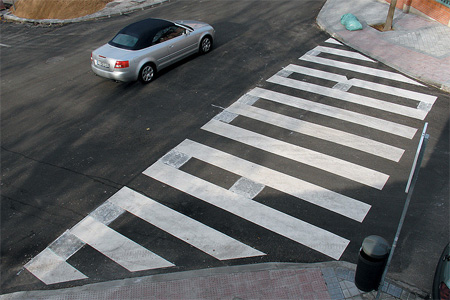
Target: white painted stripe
pixel 316 73
pixel 359 69
pixel 298 188
pixel 4 45
pixel 393 91
pixel 257 213
pixel 51 268
pixel 182 227
pixel 333 41
pixel 344 53
pixel 319 131
pixel 349 97
pixel 302 155
pixel 363 84
pixel 334 112
pixel 117 247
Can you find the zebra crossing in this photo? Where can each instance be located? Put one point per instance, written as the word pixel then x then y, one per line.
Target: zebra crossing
pixel 51 265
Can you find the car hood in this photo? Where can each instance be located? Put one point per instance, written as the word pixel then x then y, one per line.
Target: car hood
pixel 193 24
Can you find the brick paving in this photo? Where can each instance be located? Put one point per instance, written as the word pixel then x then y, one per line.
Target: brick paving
pixel 322 281
pixel 417 47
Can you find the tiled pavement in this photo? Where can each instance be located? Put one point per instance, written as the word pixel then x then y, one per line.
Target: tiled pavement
pixel 417 47
pixel 340 284
pixel 332 280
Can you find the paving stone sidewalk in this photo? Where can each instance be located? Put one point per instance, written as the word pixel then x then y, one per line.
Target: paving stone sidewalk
pixel 418 47
pixel 330 280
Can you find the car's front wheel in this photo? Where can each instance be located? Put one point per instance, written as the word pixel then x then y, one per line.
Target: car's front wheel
pixel 205 45
pixel 147 73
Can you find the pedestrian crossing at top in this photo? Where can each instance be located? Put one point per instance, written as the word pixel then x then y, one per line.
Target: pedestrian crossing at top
pixel 51 266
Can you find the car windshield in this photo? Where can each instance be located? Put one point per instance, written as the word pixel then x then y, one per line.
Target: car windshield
pixel 125 40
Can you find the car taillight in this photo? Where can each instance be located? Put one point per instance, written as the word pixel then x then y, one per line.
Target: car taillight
pixel 91 57
pixel 444 291
pixel 122 64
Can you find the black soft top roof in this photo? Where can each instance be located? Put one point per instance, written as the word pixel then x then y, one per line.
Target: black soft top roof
pixel 144 30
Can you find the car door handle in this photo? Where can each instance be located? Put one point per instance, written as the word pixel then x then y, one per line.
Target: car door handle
pixel 171 46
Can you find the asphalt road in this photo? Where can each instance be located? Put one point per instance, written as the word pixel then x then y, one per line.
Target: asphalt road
pixel 71 140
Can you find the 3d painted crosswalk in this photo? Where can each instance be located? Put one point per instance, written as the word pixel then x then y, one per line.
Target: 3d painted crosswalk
pixel 322 132
pixel 51 266
pixel 189 230
pixel 264 216
pixel 313 158
pixel 306 191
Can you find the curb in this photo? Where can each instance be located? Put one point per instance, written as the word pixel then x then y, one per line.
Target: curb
pixel 102 14
pixel 337 275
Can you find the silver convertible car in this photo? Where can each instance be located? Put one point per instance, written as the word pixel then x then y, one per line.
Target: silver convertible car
pixel 141 49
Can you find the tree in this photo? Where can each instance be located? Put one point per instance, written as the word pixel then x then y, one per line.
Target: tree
pixel 390 16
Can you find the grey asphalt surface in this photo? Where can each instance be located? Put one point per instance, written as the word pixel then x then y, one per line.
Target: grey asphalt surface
pixel 414 39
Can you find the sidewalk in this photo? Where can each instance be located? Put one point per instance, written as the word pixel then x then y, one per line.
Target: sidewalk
pixel 417 47
pixel 330 280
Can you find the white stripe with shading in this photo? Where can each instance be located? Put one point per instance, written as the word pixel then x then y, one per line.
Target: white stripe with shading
pixel 333 41
pixel 349 97
pixel 298 188
pixel 51 268
pixel 318 131
pixel 299 231
pixel 359 69
pixel 363 84
pixel 309 157
pixel 334 112
pixel 182 227
pixel 117 247
pixel 344 53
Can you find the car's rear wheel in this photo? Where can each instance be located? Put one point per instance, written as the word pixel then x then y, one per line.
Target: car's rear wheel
pixel 205 45
pixel 147 73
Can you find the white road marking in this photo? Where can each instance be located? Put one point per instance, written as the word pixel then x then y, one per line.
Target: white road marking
pixel 51 268
pixel 302 155
pixel 182 227
pixel 338 113
pixel 349 97
pixel 344 53
pixel 359 69
pixel 299 231
pixel 4 45
pixel 333 41
pixel 298 188
pixel 117 247
pixel 50 265
pixel 363 84
pixel 318 131
pixel 316 73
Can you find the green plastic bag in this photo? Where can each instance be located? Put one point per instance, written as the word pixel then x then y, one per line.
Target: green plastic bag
pixel 351 22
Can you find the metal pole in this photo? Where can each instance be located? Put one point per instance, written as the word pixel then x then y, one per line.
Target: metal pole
pixel 410 188
pixel 416 158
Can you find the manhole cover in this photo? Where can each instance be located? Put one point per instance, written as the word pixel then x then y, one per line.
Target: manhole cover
pixel 55 59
